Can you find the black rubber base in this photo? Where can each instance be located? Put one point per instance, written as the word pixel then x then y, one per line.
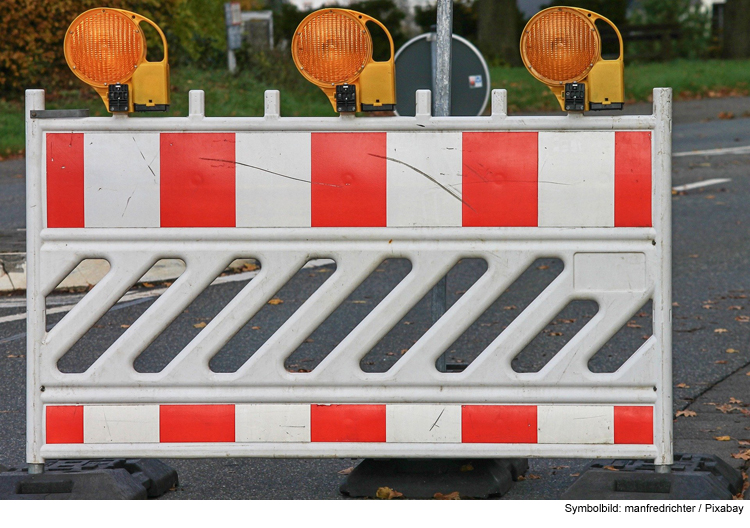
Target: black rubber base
pixel 423 478
pixel 90 479
pixel 693 477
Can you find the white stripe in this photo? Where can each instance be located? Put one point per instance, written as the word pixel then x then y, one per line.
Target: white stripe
pixel 714 152
pixel 576 179
pixel 575 424
pixel 269 167
pixel 121 180
pixel 414 159
pixel 120 424
pixel 423 423
pixel 698 185
pixel 272 423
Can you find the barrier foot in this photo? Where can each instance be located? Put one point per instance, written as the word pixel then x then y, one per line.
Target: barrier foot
pixel 89 479
pixel 693 477
pixel 423 478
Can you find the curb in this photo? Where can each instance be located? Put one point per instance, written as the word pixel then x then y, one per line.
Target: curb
pixel 89 272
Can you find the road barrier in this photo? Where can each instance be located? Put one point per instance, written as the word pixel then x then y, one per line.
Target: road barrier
pixel 593 192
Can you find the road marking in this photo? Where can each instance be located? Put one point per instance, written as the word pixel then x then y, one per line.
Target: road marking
pixel 698 185
pixel 134 296
pixel 714 152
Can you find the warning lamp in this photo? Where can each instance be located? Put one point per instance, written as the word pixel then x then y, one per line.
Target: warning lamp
pixel 561 47
pixel 332 48
pixel 106 49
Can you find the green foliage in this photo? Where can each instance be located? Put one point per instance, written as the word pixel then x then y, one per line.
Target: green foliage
pixel 31 43
pixel 694 23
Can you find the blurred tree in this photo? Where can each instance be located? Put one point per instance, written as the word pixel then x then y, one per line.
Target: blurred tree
pixel 736 41
pixel 615 10
pixel 499 30
pixel 692 19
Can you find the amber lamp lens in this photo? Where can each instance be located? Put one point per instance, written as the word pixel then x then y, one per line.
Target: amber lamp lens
pixel 331 47
pixel 103 46
pixel 560 46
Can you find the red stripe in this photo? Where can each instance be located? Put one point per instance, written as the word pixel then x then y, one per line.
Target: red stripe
pixel 500 179
pixel 634 425
pixel 196 423
pixel 197 180
pixel 348 179
pixel 347 423
pixel 632 179
pixel 65 180
pixel 64 424
pixel 499 424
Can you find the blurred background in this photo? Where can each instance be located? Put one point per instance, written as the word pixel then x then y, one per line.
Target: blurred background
pixel 701 48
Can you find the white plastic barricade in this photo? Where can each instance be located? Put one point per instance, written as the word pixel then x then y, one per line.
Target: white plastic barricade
pixel 592 191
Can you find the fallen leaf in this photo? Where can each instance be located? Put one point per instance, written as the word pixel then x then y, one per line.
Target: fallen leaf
pixel 743 318
pixel 255 327
pixel 12 356
pixel 450 496
pixel 543 267
pixel 725 408
pixel 723 438
pixel 148 285
pixel 735 308
pixel 693 256
pixel 575 474
pixel 561 467
pixel 275 301
pixel 124 326
pixel 390 353
pixel 683 386
pixel 555 333
pixel 531 476
pixel 249 267
pixel 726 115
pixel 720 362
pixel 720 331
pixel 633 324
pixel 386 493
pixel 686 413
pixel 742 455
pixel 199 325
pixel 743 442
pixel 732 351
pixel 467 467
pixel 346 471
pixel 675 304
pixel 610 468
pixel 404 351
pixel 359 302
pixel 734 400
pixel 511 307
pixel 407 322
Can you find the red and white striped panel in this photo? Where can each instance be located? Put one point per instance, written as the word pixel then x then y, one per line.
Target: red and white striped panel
pixel 349 179
pixel 393 423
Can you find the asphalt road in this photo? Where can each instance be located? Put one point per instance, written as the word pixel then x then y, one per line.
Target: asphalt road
pixel 711 255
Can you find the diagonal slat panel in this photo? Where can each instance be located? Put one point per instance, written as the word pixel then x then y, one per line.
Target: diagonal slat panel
pixel 192 362
pixel 267 364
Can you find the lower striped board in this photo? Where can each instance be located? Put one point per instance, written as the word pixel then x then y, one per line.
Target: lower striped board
pixel 392 423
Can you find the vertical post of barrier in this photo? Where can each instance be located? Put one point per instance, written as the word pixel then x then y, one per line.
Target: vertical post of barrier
pixel 442 85
pixel 35 302
pixel 662 214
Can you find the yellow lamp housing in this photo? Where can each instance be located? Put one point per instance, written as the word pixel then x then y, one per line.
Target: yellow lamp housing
pixel 106 49
pixel 332 48
pixel 561 47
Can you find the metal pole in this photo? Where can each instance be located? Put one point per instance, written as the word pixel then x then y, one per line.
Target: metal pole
pixel 442 87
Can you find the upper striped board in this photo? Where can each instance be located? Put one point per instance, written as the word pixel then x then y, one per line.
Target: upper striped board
pixel 349 179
